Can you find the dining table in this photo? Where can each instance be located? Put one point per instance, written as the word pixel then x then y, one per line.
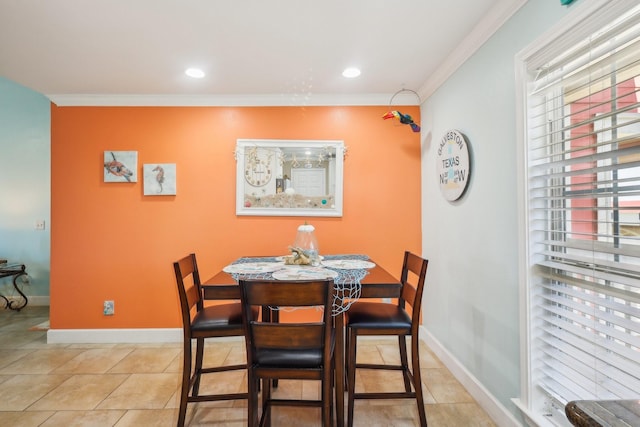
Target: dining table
pixel 355 277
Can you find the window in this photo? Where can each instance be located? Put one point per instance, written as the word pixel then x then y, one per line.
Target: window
pixel 583 213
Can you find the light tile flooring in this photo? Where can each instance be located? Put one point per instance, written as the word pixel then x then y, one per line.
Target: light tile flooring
pixel 137 385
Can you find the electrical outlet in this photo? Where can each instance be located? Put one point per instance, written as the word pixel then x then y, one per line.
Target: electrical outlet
pixel 40 224
pixel 109 308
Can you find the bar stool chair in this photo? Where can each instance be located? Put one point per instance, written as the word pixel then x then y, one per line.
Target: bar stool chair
pixel 200 323
pixel 301 350
pixel 373 318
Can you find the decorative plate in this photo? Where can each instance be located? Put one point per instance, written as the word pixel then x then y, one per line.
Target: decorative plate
pixel 348 264
pixel 252 267
pixel 304 273
pixel 453 165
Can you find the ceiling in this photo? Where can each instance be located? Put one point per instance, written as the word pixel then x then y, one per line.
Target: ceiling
pixel 280 51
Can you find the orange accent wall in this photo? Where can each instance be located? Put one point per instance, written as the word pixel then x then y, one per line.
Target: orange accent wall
pixel 109 242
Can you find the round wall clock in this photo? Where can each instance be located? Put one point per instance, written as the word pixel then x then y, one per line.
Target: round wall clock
pixel 453 165
pixel 257 173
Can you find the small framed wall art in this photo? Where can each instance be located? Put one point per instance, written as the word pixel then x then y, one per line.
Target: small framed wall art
pixel 159 179
pixel 453 165
pixel 120 166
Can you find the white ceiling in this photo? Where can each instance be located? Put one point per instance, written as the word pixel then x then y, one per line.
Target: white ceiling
pixel 282 51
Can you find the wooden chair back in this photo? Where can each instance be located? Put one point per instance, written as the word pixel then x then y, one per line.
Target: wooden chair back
pixel 261 335
pixel 189 287
pixel 413 276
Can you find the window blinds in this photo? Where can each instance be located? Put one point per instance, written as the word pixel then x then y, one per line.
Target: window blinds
pixel 583 139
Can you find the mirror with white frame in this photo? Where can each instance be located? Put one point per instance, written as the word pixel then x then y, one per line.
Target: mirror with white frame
pixel 289 177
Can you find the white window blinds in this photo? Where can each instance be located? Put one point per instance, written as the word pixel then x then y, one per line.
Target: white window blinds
pixel 583 136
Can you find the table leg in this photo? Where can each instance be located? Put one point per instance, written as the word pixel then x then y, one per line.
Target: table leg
pixel 339 374
pixel 15 285
pixel 13 304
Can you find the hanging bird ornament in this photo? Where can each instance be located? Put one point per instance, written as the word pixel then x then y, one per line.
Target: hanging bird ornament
pixel 405 119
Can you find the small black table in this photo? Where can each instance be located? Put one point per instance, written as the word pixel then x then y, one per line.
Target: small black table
pixel 603 413
pixel 15 270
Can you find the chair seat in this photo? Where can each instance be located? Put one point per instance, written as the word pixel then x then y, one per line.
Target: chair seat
pixel 374 315
pixel 287 358
pixel 219 317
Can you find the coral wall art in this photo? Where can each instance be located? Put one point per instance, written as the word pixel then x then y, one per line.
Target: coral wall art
pixel 120 166
pixel 159 179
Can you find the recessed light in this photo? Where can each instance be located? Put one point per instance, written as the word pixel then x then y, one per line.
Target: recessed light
pixel 196 73
pixel 351 72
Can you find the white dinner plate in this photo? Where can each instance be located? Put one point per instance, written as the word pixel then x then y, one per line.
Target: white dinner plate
pixel 304 273
pixel 252 267
pixel 348 264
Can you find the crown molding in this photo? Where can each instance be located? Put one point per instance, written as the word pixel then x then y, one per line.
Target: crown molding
pixel 491 22
pixel 268 100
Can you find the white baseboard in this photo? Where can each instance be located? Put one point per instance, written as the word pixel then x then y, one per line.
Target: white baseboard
pixel 101 336
pixel 35 300
pixel 498 412
pixel 38 300
pixel 117 336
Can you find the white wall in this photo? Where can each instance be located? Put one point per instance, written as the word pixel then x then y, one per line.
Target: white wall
pixel 471 300
pixel 25 184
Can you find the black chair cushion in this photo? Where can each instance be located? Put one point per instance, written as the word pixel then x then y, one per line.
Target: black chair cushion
pixel 291 358
pixel 376 315
pixel 288 358
pixel 219 317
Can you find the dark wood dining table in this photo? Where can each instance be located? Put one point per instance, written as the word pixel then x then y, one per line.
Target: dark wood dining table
pixel 378 283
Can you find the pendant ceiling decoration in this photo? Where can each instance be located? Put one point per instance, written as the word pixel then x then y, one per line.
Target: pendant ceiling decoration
pixel 404 119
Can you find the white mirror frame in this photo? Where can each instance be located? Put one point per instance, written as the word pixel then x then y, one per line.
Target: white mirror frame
pixel 267 198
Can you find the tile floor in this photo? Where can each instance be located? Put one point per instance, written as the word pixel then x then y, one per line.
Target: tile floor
pixel 137 385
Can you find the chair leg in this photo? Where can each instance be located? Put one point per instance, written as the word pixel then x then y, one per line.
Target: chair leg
pixel 198 368
pixel 417 379
pixel 327 415
pixel 402 345
pixel 346 346
pixel 351 374
pixel 332 390
pixel 266 405
pixel 273 316
pixel 252 404
pixel 186 379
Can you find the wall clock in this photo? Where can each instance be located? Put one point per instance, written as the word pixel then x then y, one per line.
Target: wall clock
pixel 257 173
pixel 453 165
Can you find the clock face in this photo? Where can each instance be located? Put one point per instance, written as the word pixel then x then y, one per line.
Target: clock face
pixel 257 173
